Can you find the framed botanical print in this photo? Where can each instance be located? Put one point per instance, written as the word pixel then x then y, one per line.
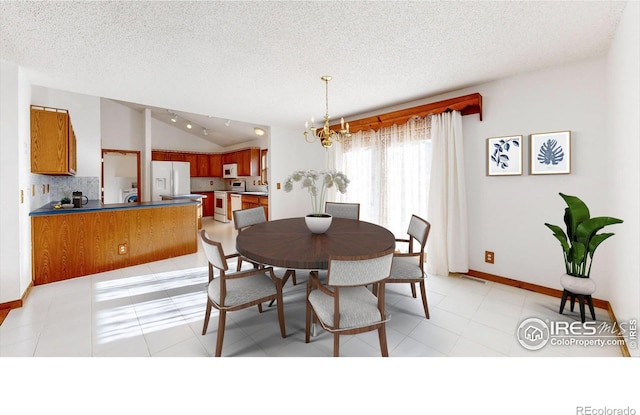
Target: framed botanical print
pixel 504 156
pixel 550 153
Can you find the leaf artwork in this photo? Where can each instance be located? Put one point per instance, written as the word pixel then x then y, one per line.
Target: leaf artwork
pixel 550 153
pixel 500 148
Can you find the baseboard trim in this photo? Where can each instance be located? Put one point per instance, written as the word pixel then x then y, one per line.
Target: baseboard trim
pixel 10 305
pixel 604 304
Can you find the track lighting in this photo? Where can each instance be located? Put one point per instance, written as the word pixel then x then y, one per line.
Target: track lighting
pixel 188 124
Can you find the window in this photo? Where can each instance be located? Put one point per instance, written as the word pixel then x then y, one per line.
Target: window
pixel 389 173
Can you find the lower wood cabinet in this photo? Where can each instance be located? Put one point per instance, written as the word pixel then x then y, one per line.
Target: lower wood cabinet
pixel 77 244
pixel 255 201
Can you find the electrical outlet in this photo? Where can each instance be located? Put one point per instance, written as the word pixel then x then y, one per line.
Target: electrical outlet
pixel 489 257
pixel 33 190
pixel 122 249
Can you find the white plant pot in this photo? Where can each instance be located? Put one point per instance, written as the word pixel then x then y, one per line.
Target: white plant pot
pixel 318 224
pixel 583 286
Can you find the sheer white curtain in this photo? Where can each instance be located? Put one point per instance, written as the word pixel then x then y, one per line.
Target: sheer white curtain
pixel 447 247
pixel 389 173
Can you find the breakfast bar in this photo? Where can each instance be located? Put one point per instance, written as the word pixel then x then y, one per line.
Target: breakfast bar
pixel 73 242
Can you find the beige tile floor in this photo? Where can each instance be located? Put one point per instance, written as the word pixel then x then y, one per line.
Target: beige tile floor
pixel 157 310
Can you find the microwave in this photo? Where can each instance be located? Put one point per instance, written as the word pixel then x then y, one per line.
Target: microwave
pixel 230 171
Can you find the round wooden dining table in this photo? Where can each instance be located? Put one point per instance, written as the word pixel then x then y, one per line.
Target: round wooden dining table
pixel 288 243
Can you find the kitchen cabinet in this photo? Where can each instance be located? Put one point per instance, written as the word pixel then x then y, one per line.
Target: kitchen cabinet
pixel 203 165
pixel 208 204
pixel 228 158
pixel 160 155
pixel 53 142
pixel 175 156
pixel 248 162
pixel 157 155
pixel 192 159
pixel 264 202
pixel 252 201
pixel 215 165
pixel 73 244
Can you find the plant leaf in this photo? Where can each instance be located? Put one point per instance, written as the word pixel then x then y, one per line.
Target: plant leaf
pixel 560 235
pixel 575 213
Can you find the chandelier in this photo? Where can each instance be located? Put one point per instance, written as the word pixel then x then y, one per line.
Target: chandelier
pixel 325 134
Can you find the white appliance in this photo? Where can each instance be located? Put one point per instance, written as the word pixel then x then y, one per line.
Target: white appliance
pixel 130 195
pixel 230 171
pixel 238 186
pixel 170 178
pixel 220 206
pixel 236 202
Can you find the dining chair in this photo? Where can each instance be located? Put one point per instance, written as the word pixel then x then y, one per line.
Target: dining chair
pixel 408 267
pixel 244 218
pixel 343 210
pixel 236 290
pixel 344 305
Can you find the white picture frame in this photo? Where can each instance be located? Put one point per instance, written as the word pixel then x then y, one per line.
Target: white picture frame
pixel 550 153
pixel 504 155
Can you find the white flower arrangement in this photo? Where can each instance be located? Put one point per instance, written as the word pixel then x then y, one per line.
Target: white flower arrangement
pixel 310 180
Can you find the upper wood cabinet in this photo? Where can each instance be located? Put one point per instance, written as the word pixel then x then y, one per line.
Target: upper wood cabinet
pixel 192 159
pixel 249 162
pixel 157 155
pixel 215 165
pixel 53 142
pixel 229 158
pixel 210 164
pixel 203 165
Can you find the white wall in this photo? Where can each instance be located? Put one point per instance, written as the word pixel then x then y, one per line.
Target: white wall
pixel 623 129
pixel 288 151
pixel 122 127
pixel 9 183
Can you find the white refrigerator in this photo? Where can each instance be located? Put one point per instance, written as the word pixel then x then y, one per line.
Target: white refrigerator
pixel 170 178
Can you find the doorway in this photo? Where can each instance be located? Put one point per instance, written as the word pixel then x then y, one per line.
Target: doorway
pixel 120 176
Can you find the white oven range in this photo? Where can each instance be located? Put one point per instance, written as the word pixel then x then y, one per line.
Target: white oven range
pixel 220 205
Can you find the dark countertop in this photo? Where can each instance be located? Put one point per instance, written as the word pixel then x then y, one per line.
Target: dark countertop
pixel 183 196
pixel 97 206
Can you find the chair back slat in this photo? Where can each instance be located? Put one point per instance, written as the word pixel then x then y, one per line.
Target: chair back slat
pixel 248 217
pixel 213 251
pixel 352 271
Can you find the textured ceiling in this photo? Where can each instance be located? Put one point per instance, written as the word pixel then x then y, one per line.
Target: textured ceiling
pixel 261 62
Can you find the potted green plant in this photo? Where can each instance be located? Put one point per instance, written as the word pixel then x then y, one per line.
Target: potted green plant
pixel 317 184
pixel 580 241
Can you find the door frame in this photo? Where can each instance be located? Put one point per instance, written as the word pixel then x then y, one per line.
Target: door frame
pixel 124 153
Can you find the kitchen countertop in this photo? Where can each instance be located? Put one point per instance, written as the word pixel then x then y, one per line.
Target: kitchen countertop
pixel 184 196
pixel 97 206
pixel 234 192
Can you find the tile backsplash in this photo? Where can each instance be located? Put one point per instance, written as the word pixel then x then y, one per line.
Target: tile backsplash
pixel 61 186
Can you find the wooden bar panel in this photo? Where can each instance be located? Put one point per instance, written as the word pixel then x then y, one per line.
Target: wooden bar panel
pixel 77 244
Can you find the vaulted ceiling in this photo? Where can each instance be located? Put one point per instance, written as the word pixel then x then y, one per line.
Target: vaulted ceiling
pixel 260 63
